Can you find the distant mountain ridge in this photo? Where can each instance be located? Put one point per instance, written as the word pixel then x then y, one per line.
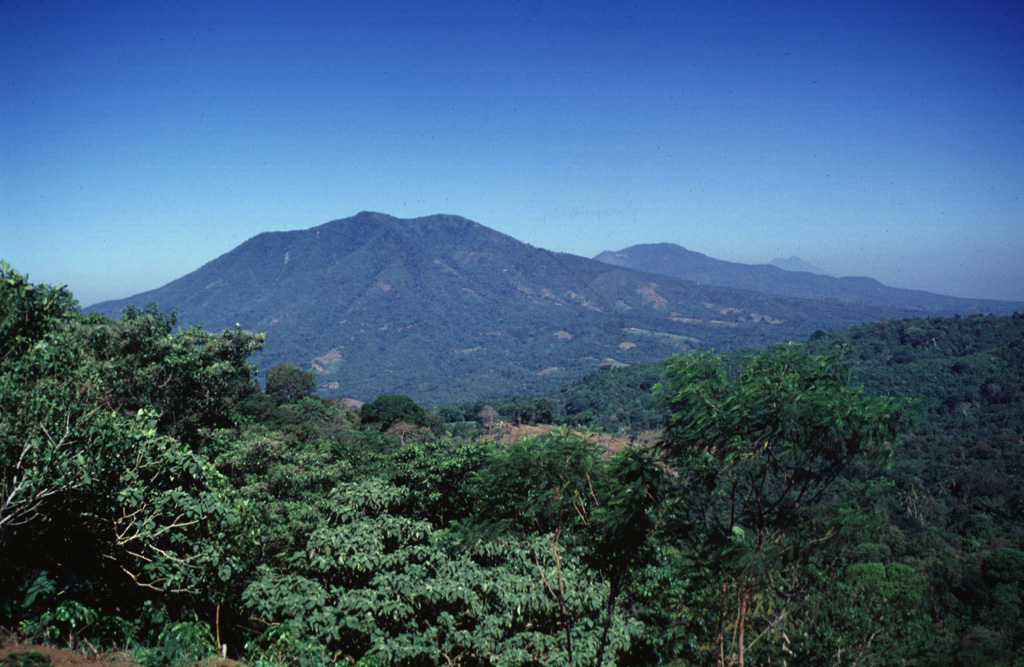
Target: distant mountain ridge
pixel 444 309
pixel 676 261
pixel 794 263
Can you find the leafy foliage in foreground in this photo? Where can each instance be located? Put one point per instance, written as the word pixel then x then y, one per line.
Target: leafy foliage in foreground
pixel 107 494
pixel 157 498
pixel 756 454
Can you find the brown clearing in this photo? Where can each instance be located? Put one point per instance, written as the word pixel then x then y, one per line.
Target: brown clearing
pixel 64 658
pixel 611 443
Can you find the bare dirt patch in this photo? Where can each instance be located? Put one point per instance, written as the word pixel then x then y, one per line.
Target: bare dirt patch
pixel 611 443
pixel 64 658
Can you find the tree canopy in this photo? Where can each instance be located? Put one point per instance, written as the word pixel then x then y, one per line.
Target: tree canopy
pixel 287 384
pixel 154 499
pixel 389 409
pixel 755 452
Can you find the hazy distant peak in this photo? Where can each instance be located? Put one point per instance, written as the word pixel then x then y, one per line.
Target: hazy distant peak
pixel 791 277
pixel 794 263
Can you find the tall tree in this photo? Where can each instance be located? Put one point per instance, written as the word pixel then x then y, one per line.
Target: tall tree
pixel 192 379
pixel 389 409
pixel 39 410
pixel 105 491
pixel 287 384
pixel 755 452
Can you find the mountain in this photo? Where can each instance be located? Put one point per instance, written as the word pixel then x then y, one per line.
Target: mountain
pixel 442 308
pixel 794 263
pixel 672 260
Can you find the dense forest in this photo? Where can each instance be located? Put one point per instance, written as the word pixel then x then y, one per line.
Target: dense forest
pixel 854 500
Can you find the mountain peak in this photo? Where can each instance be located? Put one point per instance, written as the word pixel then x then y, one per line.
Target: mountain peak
pixel 432 225
pixel 443 308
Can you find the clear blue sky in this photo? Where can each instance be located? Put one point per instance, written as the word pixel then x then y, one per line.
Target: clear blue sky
pixel 140 140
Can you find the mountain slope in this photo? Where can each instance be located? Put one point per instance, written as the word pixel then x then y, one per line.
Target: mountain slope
pixel 673 260
pixel 794 263
pixel 443 308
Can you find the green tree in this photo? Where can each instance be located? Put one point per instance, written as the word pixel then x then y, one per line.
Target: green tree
pixel 28 312
pixel 562 491
pixel 755 453
pixel 871 614
pixel 288 384
pixel 389 409
pixel 101 495
pixel 375 582
pixel 43 424
pixel 193 380
pixel 1003 571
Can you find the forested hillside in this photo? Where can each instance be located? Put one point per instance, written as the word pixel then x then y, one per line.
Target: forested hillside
pixel 442 308
pixel 953 498
pixel 956 487
pixel 156 498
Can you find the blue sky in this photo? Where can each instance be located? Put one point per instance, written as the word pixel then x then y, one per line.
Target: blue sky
pixel 139 141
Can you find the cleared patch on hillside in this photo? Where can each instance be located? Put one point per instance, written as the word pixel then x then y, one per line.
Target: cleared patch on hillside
pixel 651 297
pixel 328 361
pixel 611 443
